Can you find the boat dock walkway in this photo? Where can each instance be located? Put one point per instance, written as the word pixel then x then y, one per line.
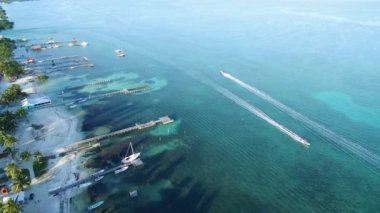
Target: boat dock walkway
pixel 77 145
pixel 122 91
pixel 91 178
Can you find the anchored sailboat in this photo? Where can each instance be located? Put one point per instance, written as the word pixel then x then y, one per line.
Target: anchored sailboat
pixel 129 159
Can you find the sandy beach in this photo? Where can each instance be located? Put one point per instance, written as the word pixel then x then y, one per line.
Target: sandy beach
pixel 58 129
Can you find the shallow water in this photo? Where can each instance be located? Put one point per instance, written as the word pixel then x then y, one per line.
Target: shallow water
pixel 321 59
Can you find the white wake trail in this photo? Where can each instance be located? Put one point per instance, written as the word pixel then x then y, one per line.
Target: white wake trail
pixel 358 150
pixel 226 93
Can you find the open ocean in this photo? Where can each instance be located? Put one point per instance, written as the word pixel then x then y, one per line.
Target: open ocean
pixel 319 58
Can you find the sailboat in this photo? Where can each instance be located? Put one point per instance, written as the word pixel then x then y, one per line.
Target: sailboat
pixel 129 159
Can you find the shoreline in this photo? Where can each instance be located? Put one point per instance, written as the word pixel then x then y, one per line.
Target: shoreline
pixel 60 128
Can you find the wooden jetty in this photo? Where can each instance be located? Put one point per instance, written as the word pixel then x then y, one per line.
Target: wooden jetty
pixel 91 178
pixel 87 142
pixel 125 91
pixel 122 91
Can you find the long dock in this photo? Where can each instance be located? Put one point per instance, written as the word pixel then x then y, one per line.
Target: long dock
pixel 75 146
pixel 88 179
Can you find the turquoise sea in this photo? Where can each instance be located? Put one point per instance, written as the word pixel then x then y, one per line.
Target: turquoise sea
pixel 320 58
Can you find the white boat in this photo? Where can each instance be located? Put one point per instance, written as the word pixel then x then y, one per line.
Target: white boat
pixel 99 178
pixel 120 53
pixel 84 44
pixel 129 159
pixel 51 41
pixel 71 44
pixel 84 185
pixel 122 169
pixel 95 205
pixel 72 106
pixel 98 172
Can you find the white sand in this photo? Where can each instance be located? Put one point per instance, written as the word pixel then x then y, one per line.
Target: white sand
pixel 60 129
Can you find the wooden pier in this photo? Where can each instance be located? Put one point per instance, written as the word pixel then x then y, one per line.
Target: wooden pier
pixel 87 142
pixel 91 178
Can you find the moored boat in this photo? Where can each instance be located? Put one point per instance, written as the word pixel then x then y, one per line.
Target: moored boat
pixel 129 159
pixel 122 169
pixel 99 178
pixel 95 205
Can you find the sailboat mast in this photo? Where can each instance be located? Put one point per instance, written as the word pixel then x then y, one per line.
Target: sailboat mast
pixel 131 148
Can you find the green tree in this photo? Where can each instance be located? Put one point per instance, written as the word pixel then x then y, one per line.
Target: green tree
pixel 12 170
pixel 11 207
pixel 7 140
pixel 8 122
pixel 20 182
pixel 42 78
pixel 38 155
pixel 6 48
pixel 12 94
pixel 21 113
pixel 11 68
pixel 25 155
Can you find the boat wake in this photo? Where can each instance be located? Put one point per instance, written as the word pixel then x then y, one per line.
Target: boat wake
pixel 339 140
pixel 260 114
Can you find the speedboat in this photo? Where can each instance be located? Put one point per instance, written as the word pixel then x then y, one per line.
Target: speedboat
pixel 120 53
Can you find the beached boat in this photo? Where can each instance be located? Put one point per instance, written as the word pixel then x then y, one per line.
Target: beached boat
pixel 122 169
pixel 129 159
pixel 119 53
pixel 95 205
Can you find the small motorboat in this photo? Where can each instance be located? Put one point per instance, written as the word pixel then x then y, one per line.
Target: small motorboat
pixel 99 178
pixel 95 205
pixel 119 53
pixel 122 169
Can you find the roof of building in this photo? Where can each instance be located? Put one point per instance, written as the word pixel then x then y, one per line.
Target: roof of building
pixel 35 101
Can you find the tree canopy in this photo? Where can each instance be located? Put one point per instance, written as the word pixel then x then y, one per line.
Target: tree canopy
pixel 7 140
pixel 6 47
pixel 11 68
pixel 12 94
pixel 10 207
pixel 8 121
pixel 25 155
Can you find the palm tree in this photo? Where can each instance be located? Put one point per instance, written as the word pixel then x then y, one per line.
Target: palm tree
pixel 20 183
pixel 7 140
pixel 20 113
pixel 11 207
pixel 12 170
pixel 25 155
pixel 38 155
